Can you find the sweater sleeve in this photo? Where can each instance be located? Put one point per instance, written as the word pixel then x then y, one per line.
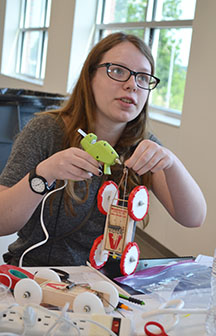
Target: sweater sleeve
pixel 38 140
pixel 152 137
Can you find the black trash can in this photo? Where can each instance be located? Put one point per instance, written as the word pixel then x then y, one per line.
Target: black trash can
pixel 17 107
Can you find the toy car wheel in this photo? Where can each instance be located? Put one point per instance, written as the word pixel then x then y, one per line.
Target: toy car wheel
pixel 138 203
pixel 129 259
pixel 106 287
pixel 27 291
pixel 108 194
pixel 88 303
pixel 48 274
pixel 97 257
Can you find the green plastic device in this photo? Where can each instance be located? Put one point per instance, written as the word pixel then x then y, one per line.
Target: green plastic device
pixel 100 150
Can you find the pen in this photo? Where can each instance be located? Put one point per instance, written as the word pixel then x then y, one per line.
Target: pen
pixel 131 299
pixel 123 306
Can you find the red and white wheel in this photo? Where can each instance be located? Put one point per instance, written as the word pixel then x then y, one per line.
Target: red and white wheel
pixel 138 203
pixel 97 257
pixel 130 258
pixel 108 194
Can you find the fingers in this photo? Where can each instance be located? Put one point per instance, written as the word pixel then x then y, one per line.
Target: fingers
pixel 149 156
pixel 73 163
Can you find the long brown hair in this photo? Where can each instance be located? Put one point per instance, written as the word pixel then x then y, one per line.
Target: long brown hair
pixel 80 109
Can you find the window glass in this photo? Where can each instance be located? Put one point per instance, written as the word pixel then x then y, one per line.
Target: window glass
pixel 124 11
pixel 174 10
pixel 137 32
pixel 33 36
pixel 35 13
pixel 171 49
pixel 170 46
pixel 31 54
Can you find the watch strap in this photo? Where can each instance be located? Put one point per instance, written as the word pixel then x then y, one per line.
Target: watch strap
pixel 33 174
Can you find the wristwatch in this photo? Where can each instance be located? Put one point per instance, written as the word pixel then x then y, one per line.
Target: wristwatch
pixel 39 184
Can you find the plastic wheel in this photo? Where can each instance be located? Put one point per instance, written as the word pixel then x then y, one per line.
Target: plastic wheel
pixel 138 203
pixel 27 291
pixel 48 275
pixel 88 303
pixel 106 287
pixel 108 194
pixel 129 259
pixel 97 257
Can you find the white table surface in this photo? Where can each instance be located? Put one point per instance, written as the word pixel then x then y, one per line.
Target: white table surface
pixel 189 325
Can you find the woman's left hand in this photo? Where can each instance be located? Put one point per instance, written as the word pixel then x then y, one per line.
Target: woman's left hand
pixel 172 184
pixel 149 156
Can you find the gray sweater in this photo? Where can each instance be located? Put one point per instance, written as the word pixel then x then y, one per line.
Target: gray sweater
pixel 41 138
pixel 70 237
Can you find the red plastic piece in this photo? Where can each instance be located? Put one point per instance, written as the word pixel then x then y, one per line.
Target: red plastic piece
pixel 93 251
pixel 124 255
pixel 100 196
pixel 131 201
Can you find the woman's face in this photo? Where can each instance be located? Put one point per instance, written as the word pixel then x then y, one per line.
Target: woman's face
pixel 120 102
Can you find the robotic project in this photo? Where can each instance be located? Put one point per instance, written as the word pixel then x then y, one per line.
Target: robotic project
pixel 121 213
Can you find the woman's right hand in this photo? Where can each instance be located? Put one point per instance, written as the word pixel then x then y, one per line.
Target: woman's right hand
pixel 18 203
pixel 69 164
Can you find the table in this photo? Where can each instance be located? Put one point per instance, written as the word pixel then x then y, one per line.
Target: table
pixel 188 325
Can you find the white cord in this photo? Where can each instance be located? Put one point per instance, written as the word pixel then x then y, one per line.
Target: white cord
pixel 60 319
pixel 42 224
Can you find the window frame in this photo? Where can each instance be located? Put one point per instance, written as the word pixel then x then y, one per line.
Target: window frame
pixel 22 30
pixel 162 114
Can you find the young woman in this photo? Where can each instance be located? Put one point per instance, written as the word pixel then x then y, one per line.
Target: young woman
pixel 110 99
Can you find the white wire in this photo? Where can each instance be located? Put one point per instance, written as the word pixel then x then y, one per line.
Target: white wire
pixel 42 224
pixel 102 327
pixel 59 320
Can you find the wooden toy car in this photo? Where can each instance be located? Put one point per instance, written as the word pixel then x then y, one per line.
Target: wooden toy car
pixel 46 288
pixel 119 226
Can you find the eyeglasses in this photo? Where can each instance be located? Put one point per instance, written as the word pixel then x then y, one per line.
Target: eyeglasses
pixel 121 73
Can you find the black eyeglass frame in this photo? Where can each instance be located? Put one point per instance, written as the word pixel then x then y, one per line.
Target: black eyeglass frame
pixel 132 73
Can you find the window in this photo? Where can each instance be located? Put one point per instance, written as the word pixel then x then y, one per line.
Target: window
pixel 166 26
pixel 33 36
pixel 26 38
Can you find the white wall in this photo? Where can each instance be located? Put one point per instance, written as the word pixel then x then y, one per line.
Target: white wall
pixel 193 142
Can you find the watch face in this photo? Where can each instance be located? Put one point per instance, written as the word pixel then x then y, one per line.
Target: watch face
pixel 37 184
